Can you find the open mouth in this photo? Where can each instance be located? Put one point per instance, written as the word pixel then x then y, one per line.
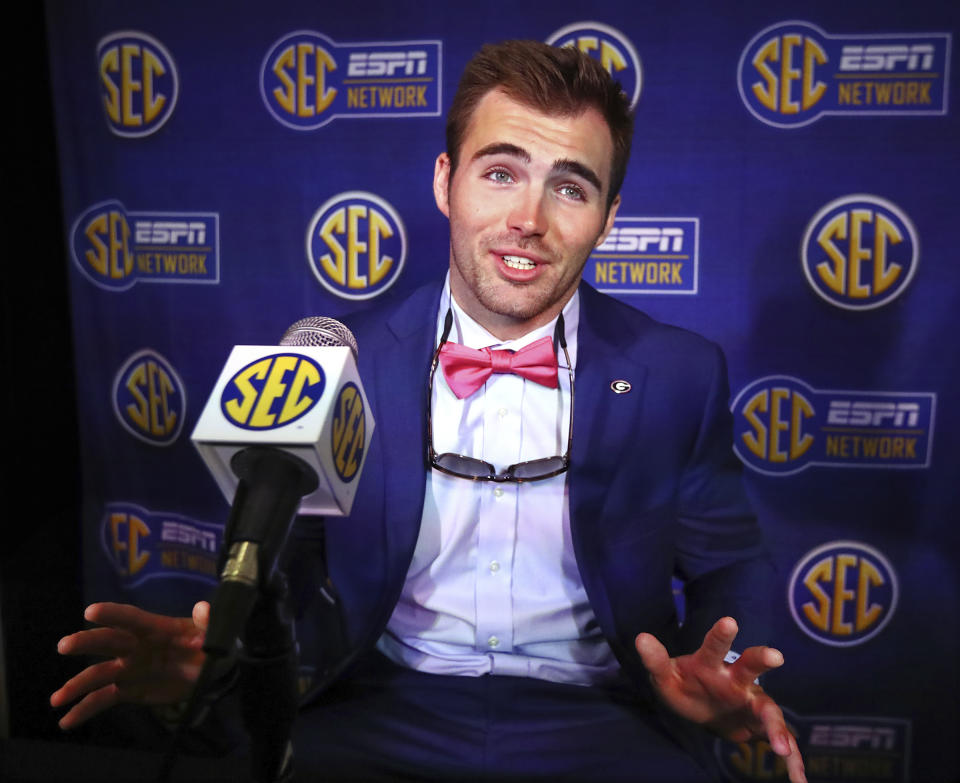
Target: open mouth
pixel 518 262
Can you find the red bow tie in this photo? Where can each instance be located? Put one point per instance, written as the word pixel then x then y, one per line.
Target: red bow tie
pixel 467 369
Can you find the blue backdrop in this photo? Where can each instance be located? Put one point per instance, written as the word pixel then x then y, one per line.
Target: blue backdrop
pixel 227 169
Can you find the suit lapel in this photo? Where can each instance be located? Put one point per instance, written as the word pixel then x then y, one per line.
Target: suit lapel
pixel 610 385
pixel 399 370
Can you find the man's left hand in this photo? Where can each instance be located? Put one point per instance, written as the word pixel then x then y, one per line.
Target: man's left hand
pixel 722 696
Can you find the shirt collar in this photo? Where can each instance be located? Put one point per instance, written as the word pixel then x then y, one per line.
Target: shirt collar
pixel 467 331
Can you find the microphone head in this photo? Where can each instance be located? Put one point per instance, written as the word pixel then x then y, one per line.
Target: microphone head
pixel 322 331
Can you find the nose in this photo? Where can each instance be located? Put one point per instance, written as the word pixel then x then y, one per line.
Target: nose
pixel 528 212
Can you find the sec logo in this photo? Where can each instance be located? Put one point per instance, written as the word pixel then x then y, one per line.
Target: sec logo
pixel 138 83
pixel 773 431
pixel 348 432
pixel 293 79
pixel 754 759
pixel 860 252
pixel 842 593
pixel 149 398
pixel 101 246
pixel 356 245
pixel 272 391
pixel 608 45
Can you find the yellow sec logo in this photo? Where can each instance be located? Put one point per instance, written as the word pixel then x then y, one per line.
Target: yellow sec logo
pixel 860 252
pixel 124 533
pixel 348 433
pixel 753 759
pixel 356 245
pixel 611 47
pixel 101 246
pixel 272 391
pixel 842 593
pixel 138 82
pixel 149 398
pixel 294 79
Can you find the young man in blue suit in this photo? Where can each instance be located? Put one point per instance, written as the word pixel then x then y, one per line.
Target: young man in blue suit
pixel 506 603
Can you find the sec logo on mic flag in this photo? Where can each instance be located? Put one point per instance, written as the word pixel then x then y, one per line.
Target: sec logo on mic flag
pixel 348 431
pixel 272 391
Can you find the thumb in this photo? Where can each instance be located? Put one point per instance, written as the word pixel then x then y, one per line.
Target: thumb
pixel 201 615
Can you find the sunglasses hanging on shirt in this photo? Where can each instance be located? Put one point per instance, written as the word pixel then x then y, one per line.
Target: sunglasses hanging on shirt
pixel 475 469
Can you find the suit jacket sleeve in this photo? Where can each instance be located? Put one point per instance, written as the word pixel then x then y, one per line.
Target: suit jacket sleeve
pixel 719 554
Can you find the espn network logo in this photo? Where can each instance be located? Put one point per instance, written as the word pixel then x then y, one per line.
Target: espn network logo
pixel 783 425
pixel 643 255
pixel 853 736
pixel 115 248
pixel 862 413
pixel 887 57
pixel 169 232
pixel 792 73
pixel 304 84
pixel 630 239
pixel 184 548
pixel 411 63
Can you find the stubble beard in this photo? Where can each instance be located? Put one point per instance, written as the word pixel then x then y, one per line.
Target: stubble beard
pixel 508 299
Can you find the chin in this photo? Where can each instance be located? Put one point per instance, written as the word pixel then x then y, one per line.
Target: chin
pixel 522 310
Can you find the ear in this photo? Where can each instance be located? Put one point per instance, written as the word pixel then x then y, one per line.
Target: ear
pixel 441 183
pixel 608 224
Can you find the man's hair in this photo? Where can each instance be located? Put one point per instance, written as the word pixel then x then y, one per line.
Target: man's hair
pixel 558 81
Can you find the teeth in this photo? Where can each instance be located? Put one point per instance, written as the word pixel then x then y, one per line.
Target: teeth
pixel 518 262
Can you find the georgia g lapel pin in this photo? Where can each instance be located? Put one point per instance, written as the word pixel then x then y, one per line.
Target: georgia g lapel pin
pixel 620 386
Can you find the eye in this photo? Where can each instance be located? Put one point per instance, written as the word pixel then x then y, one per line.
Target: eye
pixel 569 190
pixel 499 176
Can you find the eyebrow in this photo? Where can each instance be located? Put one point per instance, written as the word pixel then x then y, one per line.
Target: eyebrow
pixel 559 166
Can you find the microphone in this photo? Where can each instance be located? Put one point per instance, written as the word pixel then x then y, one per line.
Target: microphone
pixel 320 330
pixel 284 431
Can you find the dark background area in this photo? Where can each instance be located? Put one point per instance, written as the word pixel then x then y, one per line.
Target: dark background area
pixel 40 590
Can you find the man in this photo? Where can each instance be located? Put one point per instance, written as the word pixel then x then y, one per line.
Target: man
pixel 519 625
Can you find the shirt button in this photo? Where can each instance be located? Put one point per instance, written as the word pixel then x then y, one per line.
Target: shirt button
pixel 493 641
pixel 498 492
pixel 502 412
pixel 494 566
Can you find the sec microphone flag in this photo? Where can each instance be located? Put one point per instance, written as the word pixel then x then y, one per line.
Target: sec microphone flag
pixel 305 400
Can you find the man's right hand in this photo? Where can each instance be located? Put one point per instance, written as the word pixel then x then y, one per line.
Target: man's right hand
pixel 152 659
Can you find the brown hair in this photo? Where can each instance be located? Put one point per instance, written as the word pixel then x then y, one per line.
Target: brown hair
pixel 559 81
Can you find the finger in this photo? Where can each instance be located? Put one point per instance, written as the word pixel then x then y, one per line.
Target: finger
pixel 654 655
pixel 754 662
pixel 92 704
pixel 716 643
pixel 795 768
pixel 783 742
pixel 774 726
pixel 109 642
pixel 90 679
pixel 758 719
pixel 136 620
pixel 201 615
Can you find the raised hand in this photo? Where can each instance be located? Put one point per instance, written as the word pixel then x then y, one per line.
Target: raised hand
pixel 722 696
pixel 152 659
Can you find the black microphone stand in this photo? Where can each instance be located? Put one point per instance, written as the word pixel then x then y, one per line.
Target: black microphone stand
pixel 249 619
pixel 268 684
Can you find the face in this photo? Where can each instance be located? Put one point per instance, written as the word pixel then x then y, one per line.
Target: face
pixel 527 206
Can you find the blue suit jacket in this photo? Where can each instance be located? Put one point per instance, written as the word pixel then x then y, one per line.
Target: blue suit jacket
pixel 654 486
